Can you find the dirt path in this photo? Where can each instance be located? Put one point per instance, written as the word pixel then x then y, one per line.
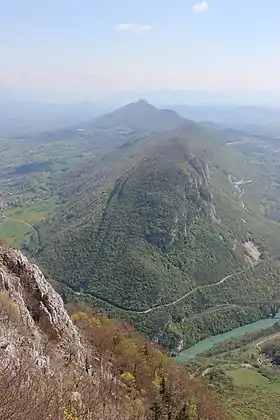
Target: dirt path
pixel 258 345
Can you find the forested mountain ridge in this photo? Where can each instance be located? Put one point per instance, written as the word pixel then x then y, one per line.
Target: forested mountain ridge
pixel 141 235
pixel 150 213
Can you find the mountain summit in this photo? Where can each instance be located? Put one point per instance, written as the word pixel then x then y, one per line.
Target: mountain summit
pixel 141 115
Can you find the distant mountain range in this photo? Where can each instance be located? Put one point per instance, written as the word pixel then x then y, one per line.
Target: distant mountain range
pixel 19 117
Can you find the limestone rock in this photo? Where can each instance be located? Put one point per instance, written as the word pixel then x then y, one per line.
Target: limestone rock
pixel 39 314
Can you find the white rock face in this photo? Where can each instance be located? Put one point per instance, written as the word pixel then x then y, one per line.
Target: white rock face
pixel 41 316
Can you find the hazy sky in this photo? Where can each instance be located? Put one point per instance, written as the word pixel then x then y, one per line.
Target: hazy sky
pixel 73 48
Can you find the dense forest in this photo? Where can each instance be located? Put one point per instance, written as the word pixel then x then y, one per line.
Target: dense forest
pixel 151 226
pixel 160 225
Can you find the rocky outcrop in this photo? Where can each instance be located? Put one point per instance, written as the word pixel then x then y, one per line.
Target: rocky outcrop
pixel 32 314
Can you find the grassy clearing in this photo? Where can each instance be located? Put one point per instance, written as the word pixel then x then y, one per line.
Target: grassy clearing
pixel 30 214
pixel 14 233
pixel 258 402
pixel 254 396
pixel 247 377
pixel 251 352
pixel 17 233
pixel 248 393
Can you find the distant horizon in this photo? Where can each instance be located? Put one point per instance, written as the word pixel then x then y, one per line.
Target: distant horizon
pixel 157 97
pixel 77 50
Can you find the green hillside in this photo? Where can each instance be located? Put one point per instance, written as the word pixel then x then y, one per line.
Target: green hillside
pixel 155 233
pixel 154 214
pixel 140 222
pixel 245 372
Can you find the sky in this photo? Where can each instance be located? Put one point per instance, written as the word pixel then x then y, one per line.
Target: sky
pixel 79 49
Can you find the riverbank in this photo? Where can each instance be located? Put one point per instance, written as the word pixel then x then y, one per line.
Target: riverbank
pixel 210 342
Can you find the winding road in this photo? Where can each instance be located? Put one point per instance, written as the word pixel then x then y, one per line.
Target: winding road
pixel 167 305
pixel 24 223
pixel 19 221
pixel 197 289
pixel 258 345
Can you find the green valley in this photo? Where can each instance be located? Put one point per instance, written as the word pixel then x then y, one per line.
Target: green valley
pixel 245 373
pixel 150 218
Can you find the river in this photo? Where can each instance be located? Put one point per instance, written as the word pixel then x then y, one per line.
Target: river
pixel 208 343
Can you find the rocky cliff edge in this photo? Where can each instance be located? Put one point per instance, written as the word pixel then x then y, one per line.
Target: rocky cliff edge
pixel 32 314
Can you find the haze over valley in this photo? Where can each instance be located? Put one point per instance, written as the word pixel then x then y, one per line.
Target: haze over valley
pixel 151 218
pixel 139 210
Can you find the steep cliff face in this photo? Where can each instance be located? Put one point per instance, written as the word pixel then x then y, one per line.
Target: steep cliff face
pixel 32 314
pixel 51 370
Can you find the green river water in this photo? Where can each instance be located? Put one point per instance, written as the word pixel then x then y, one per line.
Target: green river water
pixel 208 343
